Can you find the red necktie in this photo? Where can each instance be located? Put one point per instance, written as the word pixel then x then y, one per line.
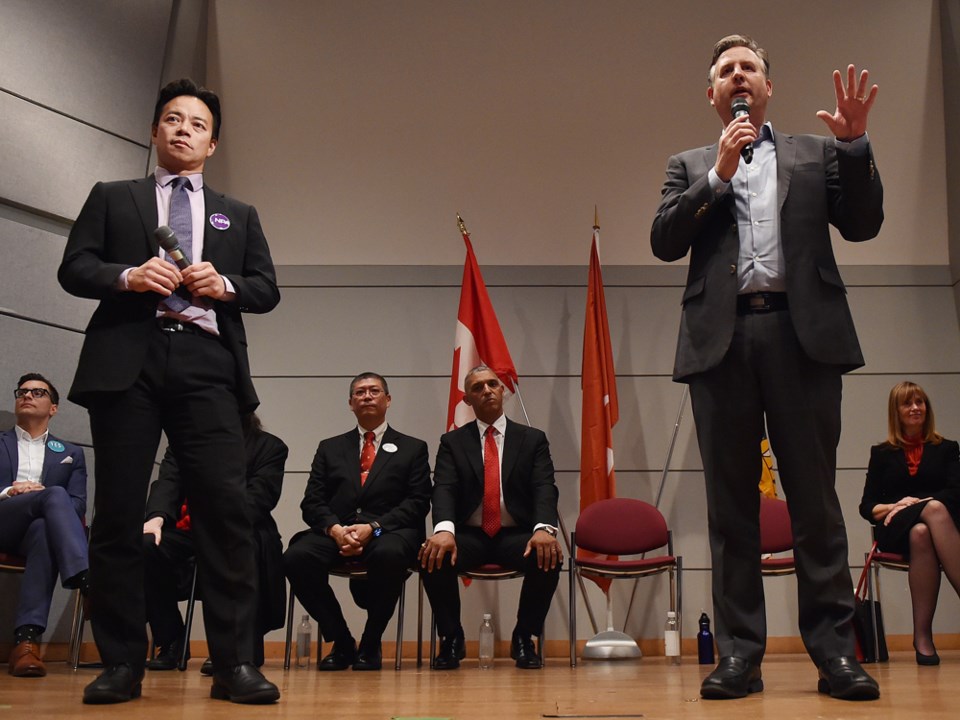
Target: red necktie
pixel 367 454
pixel 491 484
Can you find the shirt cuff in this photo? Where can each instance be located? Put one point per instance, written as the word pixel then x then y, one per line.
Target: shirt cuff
pixel 718 186
pixel 230 292
pixel 445 526
pixel 122 283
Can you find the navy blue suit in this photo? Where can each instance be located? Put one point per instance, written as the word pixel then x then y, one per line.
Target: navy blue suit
pixel 46 526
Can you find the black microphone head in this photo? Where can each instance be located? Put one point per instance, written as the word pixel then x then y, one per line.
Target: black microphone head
pixel 740 107
pixel 166 238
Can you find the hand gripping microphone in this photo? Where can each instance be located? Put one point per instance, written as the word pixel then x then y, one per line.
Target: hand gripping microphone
pixel 167 239
pixel 739 108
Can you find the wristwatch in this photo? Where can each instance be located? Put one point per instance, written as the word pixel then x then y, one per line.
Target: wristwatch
pixel 377 530
pixel 550 529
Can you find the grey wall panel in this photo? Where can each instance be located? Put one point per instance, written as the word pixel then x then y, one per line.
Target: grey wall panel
pixel 98 61
pixel 28 277
pixel 50 162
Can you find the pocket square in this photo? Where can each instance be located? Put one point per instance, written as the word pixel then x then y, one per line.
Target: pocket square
pixel 67 460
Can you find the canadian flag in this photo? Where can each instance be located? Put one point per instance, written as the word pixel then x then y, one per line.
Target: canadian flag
pixel 478 340
pixel 600 408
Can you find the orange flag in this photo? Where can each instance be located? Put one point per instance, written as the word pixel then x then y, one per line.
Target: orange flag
pixel 599 385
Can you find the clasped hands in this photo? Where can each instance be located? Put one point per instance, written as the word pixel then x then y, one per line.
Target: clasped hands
pixel 439 545
pixel 22 487
pixel 162 277
pixel 351 539
pixel 900 505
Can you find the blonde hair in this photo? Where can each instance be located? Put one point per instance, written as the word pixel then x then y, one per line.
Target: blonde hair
pixel 899 394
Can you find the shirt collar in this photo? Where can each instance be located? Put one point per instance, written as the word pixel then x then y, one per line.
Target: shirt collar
pixel 164 177
pixel 377 431
pixel 500 424
pixel 25 436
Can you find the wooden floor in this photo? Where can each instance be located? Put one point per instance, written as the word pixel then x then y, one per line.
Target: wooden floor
pixel 628 689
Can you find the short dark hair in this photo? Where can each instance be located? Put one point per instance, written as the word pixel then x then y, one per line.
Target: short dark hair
pixel 186 86
pixel 54 395
pixel 732 41
pixel 368 375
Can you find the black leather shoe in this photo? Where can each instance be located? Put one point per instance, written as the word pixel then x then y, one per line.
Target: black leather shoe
pixel 928 659
pixel 116 684
pixel 207 667
pixel 168 657
pixel 343 655
pixel 243 684
pixel 732 678
pixel 524 652
pixel 843 678
pixel 369 657
pixel 452 650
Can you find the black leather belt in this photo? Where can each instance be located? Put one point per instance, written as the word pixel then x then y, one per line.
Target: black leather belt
pixel 761 302
pixel 172 325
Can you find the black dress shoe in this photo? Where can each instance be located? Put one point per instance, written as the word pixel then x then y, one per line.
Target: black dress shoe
pixel 168 657
pixel 243 684
pixel 524 652
pixel 207 667
pixel 732 678
pixel 369 657
pixel 452 650
pixel 928 659
pixel 116 684
pixel 343 655
pixel 843 678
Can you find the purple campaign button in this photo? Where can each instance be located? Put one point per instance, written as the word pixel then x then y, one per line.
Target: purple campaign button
pixel 220 221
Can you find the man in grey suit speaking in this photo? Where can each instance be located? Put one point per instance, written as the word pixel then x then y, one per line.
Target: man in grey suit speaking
pixel 766 334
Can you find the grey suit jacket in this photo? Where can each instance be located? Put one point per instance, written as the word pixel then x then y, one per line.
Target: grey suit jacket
pixel 817 186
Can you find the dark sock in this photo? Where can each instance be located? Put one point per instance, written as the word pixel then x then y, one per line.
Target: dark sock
pixel 80 582
pixel 27 633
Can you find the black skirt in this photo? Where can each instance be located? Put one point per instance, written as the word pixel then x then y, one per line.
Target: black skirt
pixel 895 537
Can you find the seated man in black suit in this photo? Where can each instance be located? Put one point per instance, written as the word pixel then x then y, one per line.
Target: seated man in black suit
pixel 168 545
pixel 479 519
pixel 366 499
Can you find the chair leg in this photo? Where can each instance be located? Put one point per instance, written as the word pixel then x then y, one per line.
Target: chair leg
pixel 401 604
pixel 76 632
pixel 288 646
pixel 188 624
pixel 433 638
pixel 419 620
pixel 572 615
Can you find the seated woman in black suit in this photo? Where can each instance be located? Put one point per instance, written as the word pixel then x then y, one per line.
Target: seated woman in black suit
pixel 912 496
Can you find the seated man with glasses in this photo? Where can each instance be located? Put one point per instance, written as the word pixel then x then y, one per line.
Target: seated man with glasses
pixel 367 498
pixel 42 503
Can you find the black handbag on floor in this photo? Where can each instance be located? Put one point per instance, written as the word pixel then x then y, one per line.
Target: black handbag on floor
pixel 870 648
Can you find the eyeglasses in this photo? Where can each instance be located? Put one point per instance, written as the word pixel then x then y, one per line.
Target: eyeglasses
pixel 37 393
pixel 373 392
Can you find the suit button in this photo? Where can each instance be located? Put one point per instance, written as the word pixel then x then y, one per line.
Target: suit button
pixel 701 210
pixel 359 510
pixel 733 269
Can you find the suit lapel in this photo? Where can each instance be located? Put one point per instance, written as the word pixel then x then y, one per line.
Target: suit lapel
pixel 382 457
pixel 511 450
pixel 786 150
pixel 214 205
pixel 351 457
pixel 471 444
pixel 8 447
pixel 145 198
pixel 50 459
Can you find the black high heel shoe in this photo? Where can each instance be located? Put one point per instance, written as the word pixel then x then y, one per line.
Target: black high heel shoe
pixel 928 660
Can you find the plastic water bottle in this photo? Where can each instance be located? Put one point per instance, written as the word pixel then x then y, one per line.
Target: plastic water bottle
pixel 705 641
pixel 671 639
pixel 486 642
pixel 304 637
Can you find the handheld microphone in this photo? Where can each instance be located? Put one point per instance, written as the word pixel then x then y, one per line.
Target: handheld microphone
pixel 739 108
pixel 167 239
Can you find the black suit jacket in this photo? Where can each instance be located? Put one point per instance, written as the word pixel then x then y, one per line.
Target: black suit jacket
pixel 113 232
pixel 816 186
pixel 888 479
pixel 396 493
pixel 526 475
pixel 266 456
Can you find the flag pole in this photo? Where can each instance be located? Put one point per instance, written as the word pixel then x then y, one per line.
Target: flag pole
pixel 563 528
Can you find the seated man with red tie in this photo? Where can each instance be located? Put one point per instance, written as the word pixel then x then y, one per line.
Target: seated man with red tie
pixel 494 500
pixel 169 551
pixel 366 500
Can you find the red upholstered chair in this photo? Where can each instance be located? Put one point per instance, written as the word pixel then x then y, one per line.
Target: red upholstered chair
pixel 776 536
pixel 625 528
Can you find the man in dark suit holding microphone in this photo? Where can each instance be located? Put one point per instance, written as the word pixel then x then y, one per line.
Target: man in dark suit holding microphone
pixel 165 351
pixel 367 498
pixel 494 500
pixel 765 335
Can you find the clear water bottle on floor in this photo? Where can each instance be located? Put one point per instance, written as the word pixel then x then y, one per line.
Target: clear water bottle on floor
pixel 486 642
pixel 671 639
pixel 705 641
pixel 304 638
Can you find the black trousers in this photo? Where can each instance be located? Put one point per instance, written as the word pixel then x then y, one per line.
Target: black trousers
pixel 766 374
pixel 186 390
pixel 307 563
pixel 474 548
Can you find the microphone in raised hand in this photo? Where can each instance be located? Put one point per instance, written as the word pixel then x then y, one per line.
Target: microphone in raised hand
pixel 739 108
